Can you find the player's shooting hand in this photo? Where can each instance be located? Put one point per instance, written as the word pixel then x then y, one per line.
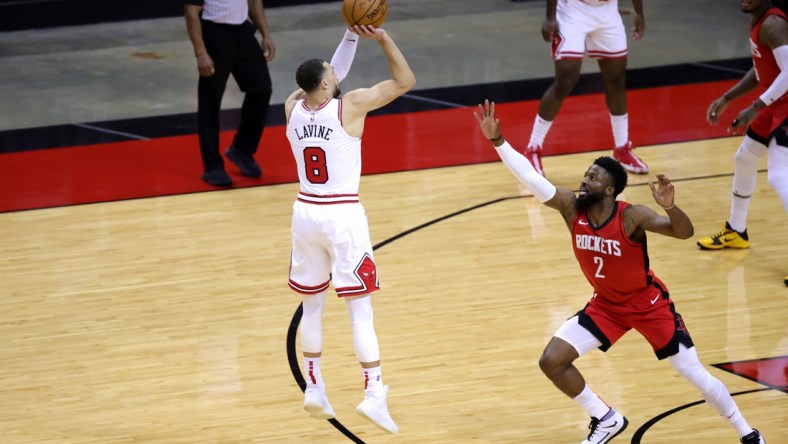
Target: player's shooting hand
pixel 487 122
pixel 369 32
pixel 663 192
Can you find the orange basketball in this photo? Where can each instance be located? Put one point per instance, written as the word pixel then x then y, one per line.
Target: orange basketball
pixel 364 12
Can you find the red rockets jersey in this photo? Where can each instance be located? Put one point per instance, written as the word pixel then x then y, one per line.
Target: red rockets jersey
pixel 614 265
pixel 766 69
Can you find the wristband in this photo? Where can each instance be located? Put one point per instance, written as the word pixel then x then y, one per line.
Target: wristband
pixel 496 139
pixel 670 207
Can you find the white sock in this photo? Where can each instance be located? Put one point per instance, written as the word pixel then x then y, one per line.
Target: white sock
pixel 312 370
pixel 539 132
pixel 592 403
pixel 739 209
pixel 373 378
pixel 620 125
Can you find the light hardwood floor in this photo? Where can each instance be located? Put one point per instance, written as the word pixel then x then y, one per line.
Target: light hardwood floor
pixel 164 320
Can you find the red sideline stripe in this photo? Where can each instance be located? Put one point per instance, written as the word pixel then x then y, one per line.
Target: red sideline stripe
pixel 397 142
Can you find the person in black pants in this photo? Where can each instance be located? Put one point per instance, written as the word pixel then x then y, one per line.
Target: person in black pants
pixel 223 36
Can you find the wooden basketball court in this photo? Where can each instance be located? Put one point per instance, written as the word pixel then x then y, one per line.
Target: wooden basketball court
pixel 166 319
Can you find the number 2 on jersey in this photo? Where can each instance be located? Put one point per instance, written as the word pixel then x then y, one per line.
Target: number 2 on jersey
pixel 315 165
pixel 598 260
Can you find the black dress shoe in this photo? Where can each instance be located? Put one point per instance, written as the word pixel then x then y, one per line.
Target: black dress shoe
pixel 243 161
pixel 217 178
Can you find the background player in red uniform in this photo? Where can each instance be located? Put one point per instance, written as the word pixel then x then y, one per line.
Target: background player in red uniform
pixel 764 120
pixel 572 27
pixel 609 238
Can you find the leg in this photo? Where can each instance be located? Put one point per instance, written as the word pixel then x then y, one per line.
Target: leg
pixel 365 342
pixel 778 170
pixel 311 332
pixel 252 75
pixel 745 178
pixel 614 76
pixel 570 342
pixel 714 392
pixel 210 91
pixel 567 71
pixel 778 165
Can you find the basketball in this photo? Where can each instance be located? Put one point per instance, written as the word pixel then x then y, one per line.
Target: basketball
pixel 364 12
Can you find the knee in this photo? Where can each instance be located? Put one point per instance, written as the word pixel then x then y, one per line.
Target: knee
pixel 563 85
pixel 552 362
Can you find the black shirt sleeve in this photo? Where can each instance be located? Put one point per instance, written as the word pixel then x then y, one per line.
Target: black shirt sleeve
pixel 194 2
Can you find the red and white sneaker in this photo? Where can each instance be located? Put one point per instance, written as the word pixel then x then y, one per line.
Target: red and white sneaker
pixel 534 155
pixel 629 160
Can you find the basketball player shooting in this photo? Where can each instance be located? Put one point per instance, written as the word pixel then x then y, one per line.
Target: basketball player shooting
pixel 330 235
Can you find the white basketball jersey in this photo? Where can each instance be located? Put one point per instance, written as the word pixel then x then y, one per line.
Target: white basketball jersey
pixel 328 159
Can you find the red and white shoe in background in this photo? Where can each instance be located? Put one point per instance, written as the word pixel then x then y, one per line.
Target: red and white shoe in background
pixel 629 160
pixel 534 155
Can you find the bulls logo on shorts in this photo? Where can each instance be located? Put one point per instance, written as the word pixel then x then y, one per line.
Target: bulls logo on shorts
pixel 367 273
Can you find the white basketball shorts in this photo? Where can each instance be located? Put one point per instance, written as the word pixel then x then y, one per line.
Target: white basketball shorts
pixel 596 28
pixel 330 236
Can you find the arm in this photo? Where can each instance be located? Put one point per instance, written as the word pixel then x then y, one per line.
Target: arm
pixel 364 100
pixel 550 24
pixel 257 14
pixel 640 20
pixel 742 87
pixel 344 55
pixel 194 28
pixel 561 199
pixel 774 34
pixel 677 224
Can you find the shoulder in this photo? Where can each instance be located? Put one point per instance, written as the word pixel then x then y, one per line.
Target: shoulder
pixel 774 31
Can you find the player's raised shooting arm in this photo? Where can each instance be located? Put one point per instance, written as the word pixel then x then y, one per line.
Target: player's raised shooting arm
pixel 402 77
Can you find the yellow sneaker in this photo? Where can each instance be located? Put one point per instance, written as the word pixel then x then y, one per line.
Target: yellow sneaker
pixel 725 238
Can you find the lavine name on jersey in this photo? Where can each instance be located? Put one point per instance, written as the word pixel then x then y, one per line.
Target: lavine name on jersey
pixel 597 244
pixel 320 131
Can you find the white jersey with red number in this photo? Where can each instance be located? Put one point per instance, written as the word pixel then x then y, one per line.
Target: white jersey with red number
pixel 328 159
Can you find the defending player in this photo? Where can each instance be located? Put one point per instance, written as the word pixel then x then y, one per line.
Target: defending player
pixel 609 240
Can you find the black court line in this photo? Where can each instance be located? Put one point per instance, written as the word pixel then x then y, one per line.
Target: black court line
pixel 638 436
pixel 292 357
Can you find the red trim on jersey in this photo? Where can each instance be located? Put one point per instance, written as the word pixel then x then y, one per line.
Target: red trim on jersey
pixel 322 105
pixel 305 289
pixel 327 199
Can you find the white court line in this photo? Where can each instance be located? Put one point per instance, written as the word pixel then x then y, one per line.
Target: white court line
pixel 109 131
